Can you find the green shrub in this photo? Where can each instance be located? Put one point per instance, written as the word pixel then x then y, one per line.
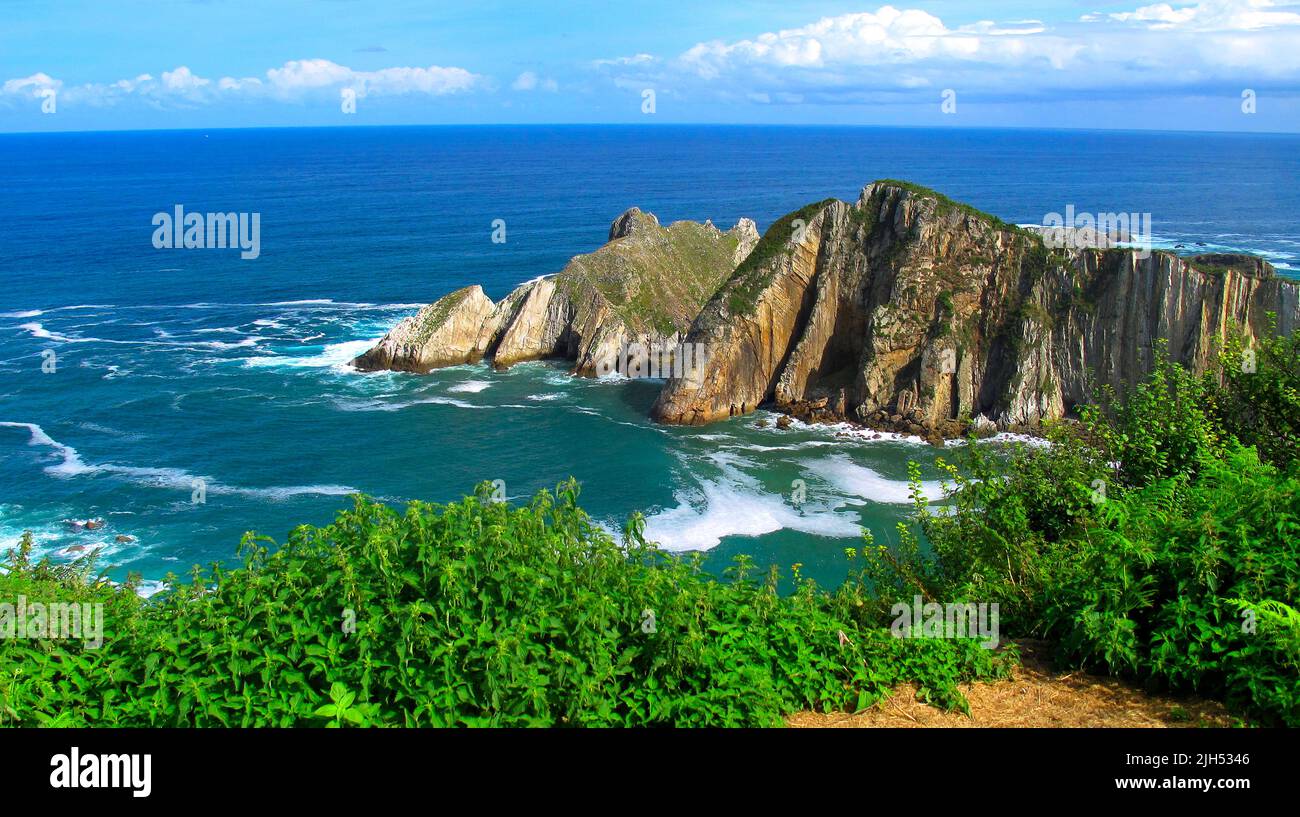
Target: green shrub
pixel 472 614
pixel 1168 585
pixel 1256 394
pixel 1147 541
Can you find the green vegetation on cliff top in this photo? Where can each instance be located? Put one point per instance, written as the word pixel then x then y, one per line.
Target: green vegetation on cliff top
pixel 438 312
pixel 469 614
pixel 1157 540
pixel 658 278
pixel 756 272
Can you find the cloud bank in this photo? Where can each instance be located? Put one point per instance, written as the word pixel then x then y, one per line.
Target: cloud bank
pixel 294 81
pixel 891 53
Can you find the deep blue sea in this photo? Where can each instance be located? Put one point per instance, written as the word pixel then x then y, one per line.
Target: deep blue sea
pixel 177 366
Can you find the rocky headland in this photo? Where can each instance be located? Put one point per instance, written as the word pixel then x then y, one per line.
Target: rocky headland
pixel 903 311
pixel 645 285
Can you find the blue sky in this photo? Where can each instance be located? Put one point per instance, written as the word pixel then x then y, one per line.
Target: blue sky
pixel 91 65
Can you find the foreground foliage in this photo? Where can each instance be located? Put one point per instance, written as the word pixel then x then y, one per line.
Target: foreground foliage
pixel 475 613
pixel 1158 539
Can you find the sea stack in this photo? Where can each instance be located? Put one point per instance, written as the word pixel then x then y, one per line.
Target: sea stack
pixel 910 311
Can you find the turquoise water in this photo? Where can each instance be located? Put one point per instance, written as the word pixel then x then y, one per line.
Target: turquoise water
pixel 180 367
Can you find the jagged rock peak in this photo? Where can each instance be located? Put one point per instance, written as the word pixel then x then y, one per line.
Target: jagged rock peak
pixel 746 232
pixel 632 220
pixel 645 285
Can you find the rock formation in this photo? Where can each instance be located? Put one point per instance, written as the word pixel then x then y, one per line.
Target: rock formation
pixel 450 331
pixel 645 285
pixel 910 311
pixel 905 310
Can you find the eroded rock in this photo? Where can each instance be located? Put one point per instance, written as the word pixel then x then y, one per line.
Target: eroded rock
pixel 912 311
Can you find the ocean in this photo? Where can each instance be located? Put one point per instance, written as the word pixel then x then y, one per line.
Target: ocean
pixel 179 375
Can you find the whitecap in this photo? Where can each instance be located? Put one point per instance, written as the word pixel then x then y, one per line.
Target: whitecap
pixel 381 405
pixel 471 386
pixel 332 355
pixel 861 482
pixel 722 509
pixel 222 345
pixel 225 330
pixel 72 465
pixel 1009 437
pixel 150 587
pixel 39 331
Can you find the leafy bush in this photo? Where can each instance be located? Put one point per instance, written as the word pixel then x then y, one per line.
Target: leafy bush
pixel 473 614
pixel 1256 395
pixel 1146 541
pixel 1154 589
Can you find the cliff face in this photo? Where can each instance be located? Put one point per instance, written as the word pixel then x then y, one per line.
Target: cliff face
pixel 909 310
pixel 904 310
pixel 645 285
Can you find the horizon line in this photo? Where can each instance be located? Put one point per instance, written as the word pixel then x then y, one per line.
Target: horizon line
pixel 771 125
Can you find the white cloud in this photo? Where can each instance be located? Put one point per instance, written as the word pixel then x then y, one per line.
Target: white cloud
pixel 888 36
pixel 299 75
pixel 884 54
pixel 434 80
pixel 293 81
pixel 636 59
pixel 529 81
pixel 30 86
pixel 129 85
pixel 245 85
pixel 1211 15
pixel 182 80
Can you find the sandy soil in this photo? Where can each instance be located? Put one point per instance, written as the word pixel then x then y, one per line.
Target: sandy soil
pixel 1037 696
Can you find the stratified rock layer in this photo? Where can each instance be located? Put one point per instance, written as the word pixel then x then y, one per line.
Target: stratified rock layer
pixel 911 311
pixel 450 331
pixel 645 285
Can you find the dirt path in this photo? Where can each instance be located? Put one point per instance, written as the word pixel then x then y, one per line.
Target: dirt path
pixel 1037 696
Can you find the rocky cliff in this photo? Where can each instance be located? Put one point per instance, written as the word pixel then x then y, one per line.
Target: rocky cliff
pixel 645 285
pixel 910 311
